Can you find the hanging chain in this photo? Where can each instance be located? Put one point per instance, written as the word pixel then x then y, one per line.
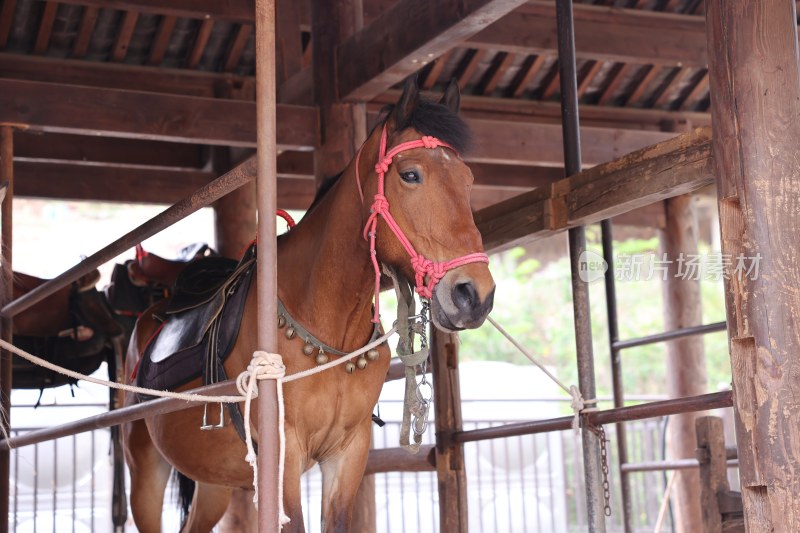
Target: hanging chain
pixel 419 325
pixel 601 434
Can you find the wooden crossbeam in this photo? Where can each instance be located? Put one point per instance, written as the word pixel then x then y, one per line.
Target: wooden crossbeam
pixel 406 35
pixel 138 115
pixel 678 166
pixel 231 10
pixel 601 33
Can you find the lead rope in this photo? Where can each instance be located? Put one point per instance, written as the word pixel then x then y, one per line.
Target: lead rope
pixel 578 405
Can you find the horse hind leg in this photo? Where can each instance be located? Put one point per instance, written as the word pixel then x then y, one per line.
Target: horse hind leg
pixel 208 506
pixel 149 477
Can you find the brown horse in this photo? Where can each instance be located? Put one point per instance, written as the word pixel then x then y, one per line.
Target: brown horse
pixel 326 283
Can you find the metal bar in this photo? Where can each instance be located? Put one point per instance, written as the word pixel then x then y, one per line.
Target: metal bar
pixel 607 236
pixel 670 335
pixel 203 197
pixel 268 417
pixel 716 400
pixel 7 175
pixel 577 247
pixel 676 464
pixel 118 416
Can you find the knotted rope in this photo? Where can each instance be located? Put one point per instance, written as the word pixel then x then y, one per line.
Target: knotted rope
pixel 264 365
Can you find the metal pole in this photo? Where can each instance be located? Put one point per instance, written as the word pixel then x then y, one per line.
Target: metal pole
pixel 269 444
pixel 671 335
pixel 203 197
pixel 616 371
pixel 6 175
pixel 577 246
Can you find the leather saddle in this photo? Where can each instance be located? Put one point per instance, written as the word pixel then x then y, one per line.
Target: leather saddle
pixel 200 324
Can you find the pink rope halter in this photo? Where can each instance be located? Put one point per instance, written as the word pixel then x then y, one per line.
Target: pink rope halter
pixel 435 270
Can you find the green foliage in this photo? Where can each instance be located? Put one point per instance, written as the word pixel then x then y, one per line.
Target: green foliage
pixel 534 303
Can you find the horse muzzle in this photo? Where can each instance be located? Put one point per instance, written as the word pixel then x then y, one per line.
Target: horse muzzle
pixel 462 302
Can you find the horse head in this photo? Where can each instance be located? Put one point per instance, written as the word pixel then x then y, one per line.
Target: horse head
pixel 420 188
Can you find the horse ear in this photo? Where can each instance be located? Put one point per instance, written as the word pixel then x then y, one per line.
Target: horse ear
pixel 451 98
pixel 407 102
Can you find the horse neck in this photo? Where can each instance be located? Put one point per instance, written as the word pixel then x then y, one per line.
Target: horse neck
pixel 325 276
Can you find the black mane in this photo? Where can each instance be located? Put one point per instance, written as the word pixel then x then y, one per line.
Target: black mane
pixel 428 118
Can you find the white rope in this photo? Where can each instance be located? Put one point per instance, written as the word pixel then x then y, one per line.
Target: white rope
pixel 578 404
pixel 188 396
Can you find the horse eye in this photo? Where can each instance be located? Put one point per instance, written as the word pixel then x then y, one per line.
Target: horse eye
pixel 411 176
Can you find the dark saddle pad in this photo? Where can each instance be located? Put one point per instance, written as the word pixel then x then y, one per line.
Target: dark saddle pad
pixel 201 324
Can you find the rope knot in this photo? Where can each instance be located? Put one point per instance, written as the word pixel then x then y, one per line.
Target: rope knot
pixel 382 166
pixel 380 204
pixel 430 142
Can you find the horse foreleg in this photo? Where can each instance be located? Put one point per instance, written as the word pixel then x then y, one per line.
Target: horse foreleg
pixel 341 477
pixel 149 476
pixel 208 506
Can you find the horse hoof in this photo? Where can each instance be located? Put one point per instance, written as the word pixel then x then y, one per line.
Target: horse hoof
pixel 373 354
pixel 361 363
pixel 322 358
pixel 350 368
pixel 308 349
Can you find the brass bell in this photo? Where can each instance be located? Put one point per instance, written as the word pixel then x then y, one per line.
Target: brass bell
pixel 373 354
pixel 308 349
pixel 322 358
pixel 361 363
pixel 289 332
pixel 349 367
pixel 281 321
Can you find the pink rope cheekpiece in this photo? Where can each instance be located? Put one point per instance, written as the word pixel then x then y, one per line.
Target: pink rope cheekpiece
pixel 434 270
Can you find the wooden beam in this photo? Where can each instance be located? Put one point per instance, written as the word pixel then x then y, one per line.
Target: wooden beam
pixel 200 42
pixel 527 71
pixel 601 33
pixel 386 460
pixel 6 20
pixel 66 180
pixel 677 166
pixel 109 151
pixel 137 115
pixel 116 76
pixel 435 71
pixel 616 79
pixel 437 26
pixel 469 65
pixel 238 44
pixel 230 10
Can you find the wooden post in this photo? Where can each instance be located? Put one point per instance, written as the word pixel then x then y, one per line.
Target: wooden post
pixel 6 175
pixel 267 289
pixel 686 364
pixel 755 83
pixel 235 213
pixel 449 456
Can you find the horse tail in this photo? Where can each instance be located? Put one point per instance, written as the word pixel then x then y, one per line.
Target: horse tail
pixel 186 487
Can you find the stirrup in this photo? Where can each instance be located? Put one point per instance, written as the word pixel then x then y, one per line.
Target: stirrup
pixel 206 426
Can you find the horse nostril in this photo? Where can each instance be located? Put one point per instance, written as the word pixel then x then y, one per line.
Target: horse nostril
pixel 465 296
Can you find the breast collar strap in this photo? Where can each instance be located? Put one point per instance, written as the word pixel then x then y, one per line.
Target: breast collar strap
pixel 434 270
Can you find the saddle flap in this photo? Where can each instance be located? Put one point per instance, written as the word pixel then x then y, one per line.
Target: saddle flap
pixel 185 330
pixel 200 282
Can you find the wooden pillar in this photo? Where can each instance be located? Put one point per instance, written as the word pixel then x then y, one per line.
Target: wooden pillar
pixel 235 213
pixel 343 128
pixel 686 364
pixel 449 456
pixel 6 175
pixel 755 87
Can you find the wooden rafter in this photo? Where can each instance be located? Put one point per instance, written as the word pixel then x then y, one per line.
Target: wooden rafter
pixel 495 73
pixel 668 90
pixel 200 42
pixel 237 46
pixel 120 48
pixel 692 99
pixel 615 79
pixel 139 115
pixel 45 27
pixel 642 85
pixel 551 83
pixel 593 67
pixel 163 35
pixel 435 71
pixel 469 64
pixel 437 26
pixel 6 20
pixel 84 36
pixel 677 166
pixel 231 10
pixel 527 71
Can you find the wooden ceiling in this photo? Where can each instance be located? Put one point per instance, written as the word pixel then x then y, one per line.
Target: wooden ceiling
pixel 116 93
